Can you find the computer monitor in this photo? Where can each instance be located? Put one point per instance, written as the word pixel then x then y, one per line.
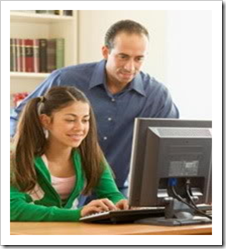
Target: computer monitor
pixel 171 159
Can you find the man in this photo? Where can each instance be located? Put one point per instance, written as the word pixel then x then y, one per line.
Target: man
pixel 118 92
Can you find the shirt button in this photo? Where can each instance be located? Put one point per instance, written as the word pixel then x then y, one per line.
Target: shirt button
pixel 105 138
pixel 109 119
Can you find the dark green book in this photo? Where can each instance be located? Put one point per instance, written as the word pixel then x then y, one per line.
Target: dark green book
pixel 51 55
pixel 43 55
pixel 59 52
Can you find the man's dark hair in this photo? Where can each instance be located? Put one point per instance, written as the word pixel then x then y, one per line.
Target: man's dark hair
pixel 127 26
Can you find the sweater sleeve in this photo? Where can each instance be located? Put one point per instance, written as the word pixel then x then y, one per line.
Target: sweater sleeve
pixel 107 187
pixel 23 209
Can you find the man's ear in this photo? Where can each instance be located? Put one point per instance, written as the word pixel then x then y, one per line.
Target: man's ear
pixel 45 121
pixel 105 52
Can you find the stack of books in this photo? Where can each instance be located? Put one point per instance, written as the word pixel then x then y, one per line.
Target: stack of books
pixel 50 12
pixel 36 55
pixel 56 12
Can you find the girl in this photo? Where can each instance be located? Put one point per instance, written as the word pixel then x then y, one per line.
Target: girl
pixel 57 158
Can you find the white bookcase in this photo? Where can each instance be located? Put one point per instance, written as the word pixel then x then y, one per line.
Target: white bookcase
pixel 34 26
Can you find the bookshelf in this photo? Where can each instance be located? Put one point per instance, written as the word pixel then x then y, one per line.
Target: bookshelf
pixel 38 18
pixel 26 25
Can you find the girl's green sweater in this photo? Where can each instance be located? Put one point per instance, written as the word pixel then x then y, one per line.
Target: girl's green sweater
pixel 24 207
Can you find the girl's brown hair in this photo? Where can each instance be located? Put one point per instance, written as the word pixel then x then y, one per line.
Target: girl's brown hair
pixel 30 140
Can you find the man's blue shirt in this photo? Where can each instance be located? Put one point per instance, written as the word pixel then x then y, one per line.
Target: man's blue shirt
pixel 115 113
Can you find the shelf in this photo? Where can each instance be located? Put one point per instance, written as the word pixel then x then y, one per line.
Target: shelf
pixel 31 25
pixel 38 18
pixel 28 75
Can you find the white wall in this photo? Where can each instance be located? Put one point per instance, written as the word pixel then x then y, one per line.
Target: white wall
pixel 179 56
pixel 188 57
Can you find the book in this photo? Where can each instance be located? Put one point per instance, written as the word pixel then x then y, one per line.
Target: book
pixel 68 12
pixel 59 52
pixel 22 55
pixel 18 55
pixel 51 55
pixel 36 55
pixel 14 54
pixel 58 12
pixel 43 55
pixel 50 12
pixel 41 11
pixel 29 60
pixel 11 56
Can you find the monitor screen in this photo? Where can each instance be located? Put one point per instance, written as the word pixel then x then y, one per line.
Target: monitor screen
pixel 170 156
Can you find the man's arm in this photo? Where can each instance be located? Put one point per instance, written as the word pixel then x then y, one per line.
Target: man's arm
pixel 52 80
pixel 167 108
pixel 159 103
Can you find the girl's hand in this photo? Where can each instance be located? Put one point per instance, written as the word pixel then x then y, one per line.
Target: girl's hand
pixel 97 206
pixel 122 204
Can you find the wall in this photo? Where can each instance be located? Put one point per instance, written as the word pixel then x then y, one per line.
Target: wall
pixel 189 72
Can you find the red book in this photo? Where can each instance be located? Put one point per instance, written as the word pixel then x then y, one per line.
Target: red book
pixel 29 56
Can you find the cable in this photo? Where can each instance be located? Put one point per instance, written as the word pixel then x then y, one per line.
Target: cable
pixel 191 200
pixel 188 204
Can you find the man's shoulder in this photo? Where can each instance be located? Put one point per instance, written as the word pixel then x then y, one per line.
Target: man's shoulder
pixel 79 67
pixel 151 82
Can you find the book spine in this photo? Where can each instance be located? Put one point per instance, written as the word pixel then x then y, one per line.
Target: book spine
pixel 14 54
pixel 18 56
pixel 41 11
pixel 36 55
pixel 51 12
pixel 51 55
pixel 29 55
pixel 43 55
pixel 11 55
pixel 67 12
pixel 58 12
pixel 59 53
pixel 16 62
pixel 23 55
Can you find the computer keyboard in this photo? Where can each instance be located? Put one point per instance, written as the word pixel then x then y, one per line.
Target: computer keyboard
pixel 124 216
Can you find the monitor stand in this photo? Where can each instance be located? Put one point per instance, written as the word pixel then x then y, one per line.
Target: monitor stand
pixel 176 214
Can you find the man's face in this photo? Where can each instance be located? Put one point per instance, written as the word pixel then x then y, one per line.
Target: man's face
pixel 125 59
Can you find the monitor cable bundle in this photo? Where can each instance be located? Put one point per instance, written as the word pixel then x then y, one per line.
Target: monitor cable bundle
pixel 192 204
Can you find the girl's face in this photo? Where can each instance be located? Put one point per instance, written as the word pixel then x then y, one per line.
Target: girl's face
pixel 70 125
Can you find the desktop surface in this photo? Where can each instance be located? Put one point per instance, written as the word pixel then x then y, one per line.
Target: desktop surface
pixel 80 228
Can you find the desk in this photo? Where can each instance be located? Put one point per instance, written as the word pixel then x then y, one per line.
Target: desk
pixel 79 228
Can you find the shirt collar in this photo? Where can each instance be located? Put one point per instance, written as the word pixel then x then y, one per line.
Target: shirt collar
pixel 137 84
pixel 99 78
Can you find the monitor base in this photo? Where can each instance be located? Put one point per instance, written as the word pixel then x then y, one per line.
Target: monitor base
pixel 162 221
